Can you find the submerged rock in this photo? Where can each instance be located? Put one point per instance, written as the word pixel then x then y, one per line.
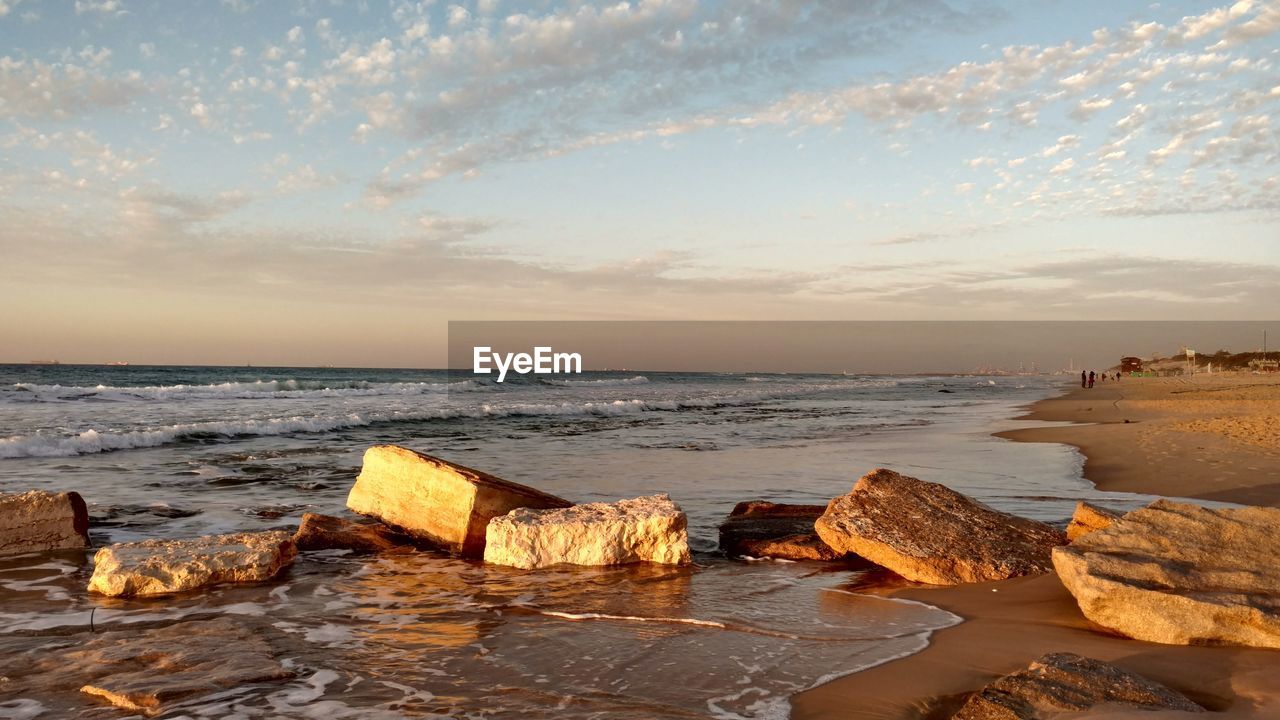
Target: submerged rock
pixel 644 529
pixel 37 521
pixel 1087 518
pixel 160 567
pixel 1181 574
pixel 325 532
pixel 143 671
pixel 932 534
pixel 1061 682
pixel 436 501
pixel 774 530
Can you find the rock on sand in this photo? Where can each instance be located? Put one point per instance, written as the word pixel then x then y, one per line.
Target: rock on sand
pixel 644 529
pixel 774 530
pixel 436 501
pixel 932 534
pixel 1087 518
pixel 1181 574
pixel 1061 682
pixel 161 567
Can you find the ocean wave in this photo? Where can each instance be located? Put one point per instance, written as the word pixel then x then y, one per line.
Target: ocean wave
pixel 91 441
pixel 259 389
pixel 602 382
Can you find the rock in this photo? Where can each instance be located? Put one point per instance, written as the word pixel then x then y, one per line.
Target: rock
pixel 1061 682
pixel 325 532
pixel 143 671
pixel 1181 574
pixel 160 567
pixel 38 521
pixel 932 534
pixel 1088 518
pixel 645 529
pixel 774 530
pixel 436 501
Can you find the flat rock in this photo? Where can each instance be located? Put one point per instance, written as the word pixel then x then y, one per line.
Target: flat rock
pixel 160 567
pixel 1087 518
pixel 930 533
pixel 326 532
pixel 145 670
pixel 1061 682
pixel 774 530
pixel 644 529
pixel 1181 574
pixel 436 501
pixel 38 521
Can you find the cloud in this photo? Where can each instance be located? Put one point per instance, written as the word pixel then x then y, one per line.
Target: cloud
pixel 35 89
pixel 100 7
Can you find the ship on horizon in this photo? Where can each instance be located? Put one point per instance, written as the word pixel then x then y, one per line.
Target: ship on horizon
pixel 43 362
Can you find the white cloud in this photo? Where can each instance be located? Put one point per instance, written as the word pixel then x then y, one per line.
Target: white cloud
pixel 101 7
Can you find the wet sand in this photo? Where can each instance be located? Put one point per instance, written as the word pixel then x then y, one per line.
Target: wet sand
pixel 1204 438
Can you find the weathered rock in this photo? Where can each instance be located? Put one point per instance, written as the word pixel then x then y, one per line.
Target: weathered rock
pixel 143 671
pixel 325 532
pixel 774 530
pixel 1088 518
pixel 1181 574
pixel 37 521
pixel 160 567
pixel 644 529
pixel 1061 682
pixel 930 533
pixel 436 501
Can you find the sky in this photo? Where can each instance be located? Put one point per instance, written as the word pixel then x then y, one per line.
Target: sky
pixel 325 182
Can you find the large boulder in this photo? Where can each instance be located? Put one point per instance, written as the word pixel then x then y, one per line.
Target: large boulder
pixel 436 501
pixel 1060 682
pixel 1181 574
pixel 37 521
pixel 161 567
pixel 774 530
pixel 932 534
pixel 644 529
pixel 1087 518
pixel 148 670
pixel 325 532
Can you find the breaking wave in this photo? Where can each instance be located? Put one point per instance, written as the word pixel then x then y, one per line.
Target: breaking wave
pixel 260 389
pixel 603 382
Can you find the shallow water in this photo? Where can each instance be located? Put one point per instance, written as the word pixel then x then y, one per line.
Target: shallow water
pixel 173 452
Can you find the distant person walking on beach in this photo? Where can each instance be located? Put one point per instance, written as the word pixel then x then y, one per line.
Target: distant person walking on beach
pixel 1091 378
pixel 1083 380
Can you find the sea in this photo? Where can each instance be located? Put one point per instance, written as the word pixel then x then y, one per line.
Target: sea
pixel 173 452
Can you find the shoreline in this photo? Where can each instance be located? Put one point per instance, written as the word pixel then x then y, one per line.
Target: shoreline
pixel 1173 443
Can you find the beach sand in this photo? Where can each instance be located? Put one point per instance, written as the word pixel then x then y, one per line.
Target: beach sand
pixel 1210 437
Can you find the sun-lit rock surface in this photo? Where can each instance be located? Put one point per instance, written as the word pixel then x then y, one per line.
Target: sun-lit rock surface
pixel 1087 518
pixel 37 521
pixel 147 670
pixel 436 501
pixel 644 529
pixel 326 532
pixel 160 567
pixel 1063 682
pixel 1181 574
pixel 774 530
pixel 932 534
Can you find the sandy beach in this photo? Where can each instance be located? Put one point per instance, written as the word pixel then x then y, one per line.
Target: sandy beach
pixel 1209 437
